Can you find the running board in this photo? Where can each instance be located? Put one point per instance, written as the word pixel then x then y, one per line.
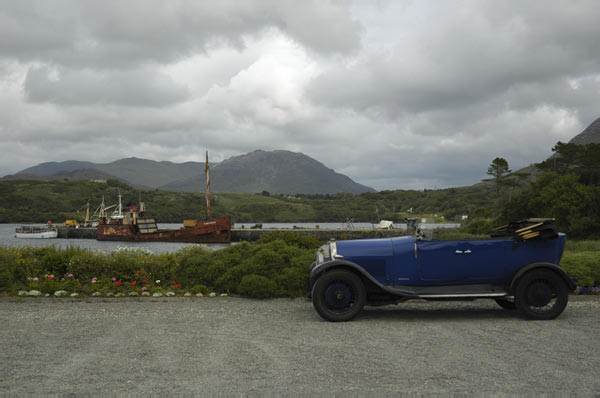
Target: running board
pixel 452 291
pixel 457 295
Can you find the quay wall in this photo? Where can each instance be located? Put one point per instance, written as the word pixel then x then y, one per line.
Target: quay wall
pixel 250 235
pixel 77 233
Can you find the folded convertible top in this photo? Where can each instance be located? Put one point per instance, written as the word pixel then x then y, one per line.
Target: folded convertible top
pixel 531 228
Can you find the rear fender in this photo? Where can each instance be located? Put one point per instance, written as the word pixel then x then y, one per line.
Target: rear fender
pixel 553 267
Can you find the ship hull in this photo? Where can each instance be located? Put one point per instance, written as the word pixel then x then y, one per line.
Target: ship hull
pixel 212 231
pixel 37 235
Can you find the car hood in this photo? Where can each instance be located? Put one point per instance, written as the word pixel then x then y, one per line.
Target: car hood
pixel 365 248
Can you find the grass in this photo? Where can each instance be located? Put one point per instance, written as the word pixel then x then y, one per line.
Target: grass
pixel 583 245
pixel 581 260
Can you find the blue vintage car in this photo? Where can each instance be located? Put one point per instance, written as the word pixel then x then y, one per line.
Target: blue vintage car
pixel 517 267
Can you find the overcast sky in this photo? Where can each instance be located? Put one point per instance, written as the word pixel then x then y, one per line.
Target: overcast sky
pixel 394 94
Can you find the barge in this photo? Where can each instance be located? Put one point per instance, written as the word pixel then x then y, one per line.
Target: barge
pixel 215 230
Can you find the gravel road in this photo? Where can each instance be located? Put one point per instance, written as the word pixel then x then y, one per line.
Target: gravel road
pixel 232 345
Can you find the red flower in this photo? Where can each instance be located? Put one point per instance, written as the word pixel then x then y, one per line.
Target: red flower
pixel 177 286
pixel 144 281
pixel 133 283
pixel 118 283
pixel 173 282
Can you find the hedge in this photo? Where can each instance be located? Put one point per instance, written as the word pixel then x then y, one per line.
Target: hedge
pixel 276 266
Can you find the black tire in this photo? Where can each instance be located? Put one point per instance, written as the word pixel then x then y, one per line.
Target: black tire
pixel 541 294
pixel 338 295
pixel 506 303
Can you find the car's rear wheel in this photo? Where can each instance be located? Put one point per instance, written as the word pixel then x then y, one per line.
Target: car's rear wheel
pixel 338 295
pixel 506 303
pixel 541 294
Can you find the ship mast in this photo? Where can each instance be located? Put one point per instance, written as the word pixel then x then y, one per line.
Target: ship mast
pixel 87 213
pixel 118 213
pixel 102 208
pixel 207 171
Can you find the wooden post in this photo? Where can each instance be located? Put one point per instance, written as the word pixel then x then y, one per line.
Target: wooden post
pixel 87 213
pixel 207 171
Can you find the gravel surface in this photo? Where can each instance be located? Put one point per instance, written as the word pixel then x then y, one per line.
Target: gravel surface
pixel 234 345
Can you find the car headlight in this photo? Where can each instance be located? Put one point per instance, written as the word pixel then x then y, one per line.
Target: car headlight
pixel 333 251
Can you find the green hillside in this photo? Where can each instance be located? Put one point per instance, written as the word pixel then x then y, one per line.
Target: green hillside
pixel 40 201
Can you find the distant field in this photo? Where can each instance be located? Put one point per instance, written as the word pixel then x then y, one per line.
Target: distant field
pixel 583 245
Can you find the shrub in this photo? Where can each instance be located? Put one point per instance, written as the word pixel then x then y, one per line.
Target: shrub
pixel 87 264
pixel 266 262
pixel 193 265
pixel 229 281
pixel 213 272
pixel 199 289
pixel 257 286
pixel 8 269
pixel 293 281
pixel 478 226
pixel 292 238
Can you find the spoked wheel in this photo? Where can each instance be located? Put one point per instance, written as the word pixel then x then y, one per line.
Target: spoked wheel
pixel 541 295
pixel 506 303
pixel 338 295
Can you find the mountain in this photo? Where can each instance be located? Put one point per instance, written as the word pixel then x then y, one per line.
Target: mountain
pixel 149 172
pixel 50 168
pixel 272 171
pixel 74 175
pixel 591 135
pixel 139 173
pixel 276 172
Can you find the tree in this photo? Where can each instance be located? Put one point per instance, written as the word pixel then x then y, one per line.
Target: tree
pixel 564 158
pixel 498 169
pixel 575 206
pixel 515 180
pixel 583 160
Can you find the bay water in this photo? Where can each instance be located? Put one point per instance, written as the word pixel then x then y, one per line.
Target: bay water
pixel 7 236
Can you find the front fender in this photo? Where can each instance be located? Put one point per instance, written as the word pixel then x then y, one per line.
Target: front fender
pixel 344 264
pixel 568 280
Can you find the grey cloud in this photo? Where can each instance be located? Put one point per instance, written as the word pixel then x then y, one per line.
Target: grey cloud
pixel 86 87
pixel 111 33
pixel 466 56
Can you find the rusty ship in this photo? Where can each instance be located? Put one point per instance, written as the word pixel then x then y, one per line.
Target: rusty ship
pixel 134 225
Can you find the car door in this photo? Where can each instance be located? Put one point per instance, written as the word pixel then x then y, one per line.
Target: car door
pixel 439 262
pixel 462 262
pixel 485 261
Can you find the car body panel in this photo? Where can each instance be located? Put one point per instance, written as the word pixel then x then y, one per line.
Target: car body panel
pixel 409 267
pixel 373 255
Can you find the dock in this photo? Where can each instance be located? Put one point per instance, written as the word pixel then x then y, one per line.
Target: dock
pixel 77 233
pixel 251 235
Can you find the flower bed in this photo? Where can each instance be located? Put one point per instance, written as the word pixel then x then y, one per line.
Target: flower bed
pixel 282 259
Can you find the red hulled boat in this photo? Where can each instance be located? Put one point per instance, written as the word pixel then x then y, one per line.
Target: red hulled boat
pixel 134 225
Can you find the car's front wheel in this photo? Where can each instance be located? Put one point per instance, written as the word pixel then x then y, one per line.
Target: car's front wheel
pixel 338 295
pixel 541 294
